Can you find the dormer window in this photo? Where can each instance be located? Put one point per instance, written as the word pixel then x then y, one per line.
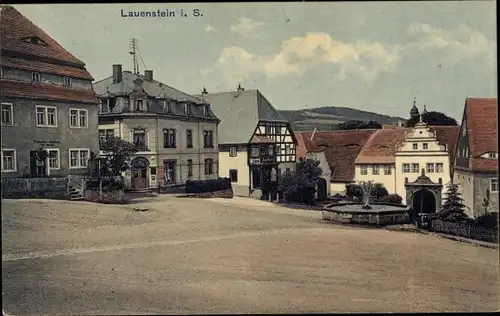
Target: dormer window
pixel 167 106
pixel 490 155
pixel 206 112
pixel 187 109
pixel 34 40
pixel 35 77
pixel 67 81
pixel 415 146
pixel 425 146
pixel 139 105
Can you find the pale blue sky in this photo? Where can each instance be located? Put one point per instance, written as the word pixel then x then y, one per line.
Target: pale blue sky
pixel 373 56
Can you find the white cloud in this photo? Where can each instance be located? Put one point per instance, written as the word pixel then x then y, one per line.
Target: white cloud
pixel 462 42
pixel 209 28
pixel 246 27
pixel 312 51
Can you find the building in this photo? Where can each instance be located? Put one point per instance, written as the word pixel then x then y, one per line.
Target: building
pixel 414 163
pixel 176 131
pixel 340 149
pixel 476 157
pixel 307 149
pixel 256 144
pixel 48 104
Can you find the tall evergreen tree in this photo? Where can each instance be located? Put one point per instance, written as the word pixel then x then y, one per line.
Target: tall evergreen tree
pixel 453 209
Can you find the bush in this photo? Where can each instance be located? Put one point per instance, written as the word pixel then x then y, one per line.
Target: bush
pixel 489 220
pixel 378 192
pixel 354 191
pixel 202 186
pixel 392 198
pixel 107 197
pixel 108 183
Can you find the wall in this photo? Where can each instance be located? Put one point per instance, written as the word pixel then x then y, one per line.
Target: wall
pixel 338 187
pixel 388 181
pixel 481 185
pixel 323 164
pixel 240 163
pixel 24 132
pixel 465 181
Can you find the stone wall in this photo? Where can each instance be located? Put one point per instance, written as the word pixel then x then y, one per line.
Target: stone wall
pixel 107 197
pixel 226 194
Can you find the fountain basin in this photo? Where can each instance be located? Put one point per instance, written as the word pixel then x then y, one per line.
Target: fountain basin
pixel 353 213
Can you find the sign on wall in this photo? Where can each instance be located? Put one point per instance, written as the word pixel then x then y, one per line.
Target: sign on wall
pixel 47 143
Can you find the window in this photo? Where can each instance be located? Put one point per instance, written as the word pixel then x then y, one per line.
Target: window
pixel 78 118
pixel 7 114
pixel 208 139
pixel 67 81
pixel 387 169
pixel 167 106
pixel 78 158
pixel 169 138
pixel 46 116
pixel 464 128
pixel 287 149
pixel 139 138
pixel 233 151
pixel 430 168
pixel 35 77
pixel 189 138
pixel 375 170
pixel 415 167
pixel 406 168
pixel 255 153
pixel 190 167
pixel 233 175
pixel 206 111
pixel 9 162
pixel 169 170
pixel 104 136
pixel 104 106
pixel 139 105
pixel 439 167
pixel 53 155
pixel 364 169
pixel 415 146
pixel 490 155
pixel 494 185
pixel 425 146
pixel 187 109
pixel 209 166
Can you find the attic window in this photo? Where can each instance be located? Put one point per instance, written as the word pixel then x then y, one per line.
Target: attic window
pixel 34 40
pixel 187 109
pixel 206 112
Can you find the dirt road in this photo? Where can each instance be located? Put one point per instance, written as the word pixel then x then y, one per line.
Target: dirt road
pixel 227 256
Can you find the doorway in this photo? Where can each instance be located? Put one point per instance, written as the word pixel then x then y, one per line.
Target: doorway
pixel 140 173
pixel 423 202
pixel 38 166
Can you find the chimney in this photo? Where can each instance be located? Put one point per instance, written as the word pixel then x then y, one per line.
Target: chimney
pixel 204 91
pixel 117 73
pixel 240 88
pixel 148 74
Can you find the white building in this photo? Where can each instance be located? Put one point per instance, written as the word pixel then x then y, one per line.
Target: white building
pixel 177 131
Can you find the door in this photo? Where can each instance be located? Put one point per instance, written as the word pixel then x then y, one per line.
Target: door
pixel 139 178
pixel 38 168
pixel 256 181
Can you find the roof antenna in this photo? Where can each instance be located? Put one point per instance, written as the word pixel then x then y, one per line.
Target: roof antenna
pixel 133 46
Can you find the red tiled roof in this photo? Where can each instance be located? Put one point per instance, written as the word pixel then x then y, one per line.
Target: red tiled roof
pixel 391 126
pixel 41 91
pixel 14 28
pixel 341 149
pixel 382 145
pixel 305 145
pixel 482 126
pixel 44 67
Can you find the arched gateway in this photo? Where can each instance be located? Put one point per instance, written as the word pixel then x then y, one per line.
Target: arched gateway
pixel 423 195
pixel 140 173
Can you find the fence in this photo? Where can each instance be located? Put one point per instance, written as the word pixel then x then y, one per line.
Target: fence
pixel 33 185
pixel 465 230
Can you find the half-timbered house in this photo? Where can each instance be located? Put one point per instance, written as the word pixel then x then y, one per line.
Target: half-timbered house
pixel 256 144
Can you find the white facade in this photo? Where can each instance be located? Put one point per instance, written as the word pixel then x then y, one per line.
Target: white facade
pixel 190 162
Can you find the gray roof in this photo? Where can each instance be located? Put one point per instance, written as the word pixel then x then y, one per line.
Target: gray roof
pixel 155 90
pixel 240 113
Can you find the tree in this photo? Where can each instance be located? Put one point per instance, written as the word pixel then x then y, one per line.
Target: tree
pixel 377 191
pixel 434 119
pixel 356 124
pixel 117 158
pixel 453 209
pixel 300 186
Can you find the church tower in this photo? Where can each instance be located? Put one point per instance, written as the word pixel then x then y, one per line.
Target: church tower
pixel 414 110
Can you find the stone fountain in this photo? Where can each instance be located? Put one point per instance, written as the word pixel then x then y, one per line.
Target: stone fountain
pixel 365 212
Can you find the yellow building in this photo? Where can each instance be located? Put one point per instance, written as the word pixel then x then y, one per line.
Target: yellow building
pixel 411 162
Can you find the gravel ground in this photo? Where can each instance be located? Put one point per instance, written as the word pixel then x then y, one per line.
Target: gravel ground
pixel 227 256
